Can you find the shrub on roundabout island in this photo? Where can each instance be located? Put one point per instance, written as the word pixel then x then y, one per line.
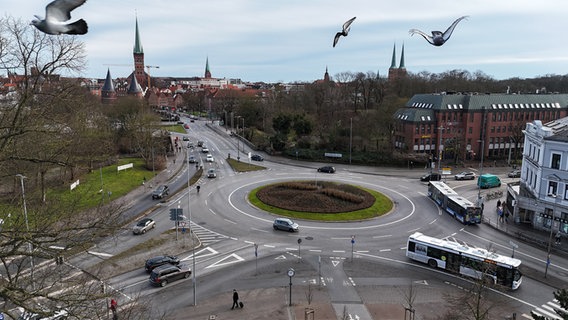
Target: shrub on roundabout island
pixel 320 200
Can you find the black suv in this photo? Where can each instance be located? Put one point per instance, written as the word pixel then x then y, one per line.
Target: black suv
pixel 160 192
pixel 168 273
pixel 327 169
pixel 160 261
pixel 256 157
pixel 431 177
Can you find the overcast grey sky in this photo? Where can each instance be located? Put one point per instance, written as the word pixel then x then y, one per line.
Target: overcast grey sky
pixel 270 40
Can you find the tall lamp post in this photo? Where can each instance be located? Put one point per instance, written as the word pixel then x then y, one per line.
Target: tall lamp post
pixel 484 118
pixel 190 234
pixel 555 196
pixel 440 149
pixel 238 149
pixel 30 246
pixel 243 135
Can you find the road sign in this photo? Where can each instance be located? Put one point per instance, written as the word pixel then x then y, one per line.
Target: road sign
pixel 352 239
pixel 176 214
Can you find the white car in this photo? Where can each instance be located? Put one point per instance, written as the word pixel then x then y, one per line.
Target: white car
pixel 209 158
pixel 465 176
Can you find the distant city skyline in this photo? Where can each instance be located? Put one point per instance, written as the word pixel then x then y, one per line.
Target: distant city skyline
pixel 288 41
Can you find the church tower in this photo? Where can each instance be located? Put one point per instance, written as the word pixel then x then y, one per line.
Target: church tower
pixel 139 59
pixel 108 94
pixel 207 71
pixel 394 72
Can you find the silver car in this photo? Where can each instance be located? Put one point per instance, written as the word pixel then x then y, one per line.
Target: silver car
pixel 285 224
pixel 144 225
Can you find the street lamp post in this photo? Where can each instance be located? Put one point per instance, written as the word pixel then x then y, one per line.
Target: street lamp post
pixel 350 139
pixel 238 149
pixel 291 274
pixel 440 148
pixel 484 118
pixel 243 135
pixel 30 246
pixel 190 234
pixel 555 196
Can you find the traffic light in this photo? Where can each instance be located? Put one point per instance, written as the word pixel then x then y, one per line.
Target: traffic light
pixel 176 214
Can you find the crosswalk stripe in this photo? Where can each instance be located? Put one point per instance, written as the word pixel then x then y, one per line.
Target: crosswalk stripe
pixel 546 313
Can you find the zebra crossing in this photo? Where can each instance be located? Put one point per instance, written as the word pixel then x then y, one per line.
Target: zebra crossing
pixel 205 235
pixel 547 310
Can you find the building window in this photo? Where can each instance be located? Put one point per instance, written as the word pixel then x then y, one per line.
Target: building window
pixel 552 187
pixel 547 222
pixel 555 161
pixel 492 129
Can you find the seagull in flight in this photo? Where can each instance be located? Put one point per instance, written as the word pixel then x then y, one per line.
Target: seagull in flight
pixel 56 14
pixel 344 32
pixel 438 38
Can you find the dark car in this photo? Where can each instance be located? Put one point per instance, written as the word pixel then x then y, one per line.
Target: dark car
pixel 160 261
pixel 256 157
pixel 431 177
pixel 285 224
pixel 161 276
pixel 327 169
pixel 160 192
pixel 514 174
pixel 144 225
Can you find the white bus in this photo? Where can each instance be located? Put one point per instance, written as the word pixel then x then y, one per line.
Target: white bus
pixel 449 200
pixel 471 262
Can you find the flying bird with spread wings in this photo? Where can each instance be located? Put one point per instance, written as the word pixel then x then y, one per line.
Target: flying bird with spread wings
pixel 56 15
pixel 438 38
pixel 344 32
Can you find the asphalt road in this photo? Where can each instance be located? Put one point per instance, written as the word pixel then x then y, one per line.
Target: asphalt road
pixel 359 262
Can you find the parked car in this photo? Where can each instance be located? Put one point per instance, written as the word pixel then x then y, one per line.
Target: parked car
pixel 163 275
pixel 185 138
pixel 514 174
pixel 144 225
pixel 431 177
pixel 211 173
pixel 204 149
pixel 186 126
pixel 200 143
pixel 190 145
pixel 192 159
pixel 466 175
pixel 160 192
pixel 327 169
pixel 209 158
pixel 160 261
pixel 256 157
pixel 285 224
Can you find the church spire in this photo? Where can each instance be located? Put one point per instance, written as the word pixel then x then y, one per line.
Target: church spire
pixel 393 61
pixel 207 71
pixel 137 43
pixel 108 94
pixel 401 65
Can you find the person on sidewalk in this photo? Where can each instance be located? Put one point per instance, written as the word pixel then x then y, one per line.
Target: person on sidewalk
pixel 235 299
pixel 558 237
pixel 498 203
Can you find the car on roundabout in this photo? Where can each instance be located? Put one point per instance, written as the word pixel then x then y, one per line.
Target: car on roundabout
pixel 165 274
pixel 285 224
pixel 514 174
pixel 209 158
pixel 144 225
pixel 256 157
pixel 160 192
pixel 327 169
pixel 431 177
pixel 211 173
pixel 155 262
pixel 466 175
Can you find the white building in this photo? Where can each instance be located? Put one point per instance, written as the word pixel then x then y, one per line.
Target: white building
pixel 541 197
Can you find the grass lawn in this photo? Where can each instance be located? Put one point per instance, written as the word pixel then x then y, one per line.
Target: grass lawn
pixel 241 166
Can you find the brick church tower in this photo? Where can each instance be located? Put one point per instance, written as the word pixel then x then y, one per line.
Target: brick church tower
pixel 138 53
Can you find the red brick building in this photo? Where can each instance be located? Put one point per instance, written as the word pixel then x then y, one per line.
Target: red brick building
pixel 465 126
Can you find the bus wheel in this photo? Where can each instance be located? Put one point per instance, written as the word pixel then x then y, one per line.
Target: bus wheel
pixel 432 263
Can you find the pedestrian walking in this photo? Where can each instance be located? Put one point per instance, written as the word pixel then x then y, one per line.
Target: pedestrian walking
pixel 235 299
pixel 113 306
pixel 558 237
pixel 500 214
pixel 507 216
pixel 498 203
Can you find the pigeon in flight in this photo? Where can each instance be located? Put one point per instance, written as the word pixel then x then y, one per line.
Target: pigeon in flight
pixel 344 32
pixel 56 13
pixel 438 38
